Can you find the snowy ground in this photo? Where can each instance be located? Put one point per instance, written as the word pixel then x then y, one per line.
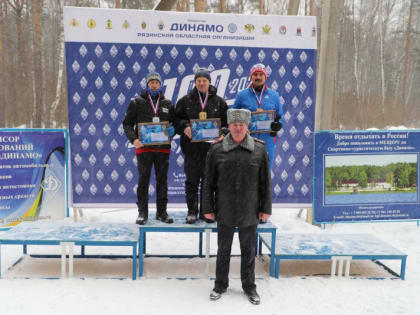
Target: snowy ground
pixel 161 291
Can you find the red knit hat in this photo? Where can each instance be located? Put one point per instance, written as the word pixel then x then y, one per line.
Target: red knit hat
pixel 259 67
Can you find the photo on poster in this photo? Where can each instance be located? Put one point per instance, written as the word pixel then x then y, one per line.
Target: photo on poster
pixel 370 179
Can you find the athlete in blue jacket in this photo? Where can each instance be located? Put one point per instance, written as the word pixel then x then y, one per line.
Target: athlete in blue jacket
pixel 258 97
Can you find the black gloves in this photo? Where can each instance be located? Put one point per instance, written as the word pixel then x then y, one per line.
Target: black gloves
pixel 275 126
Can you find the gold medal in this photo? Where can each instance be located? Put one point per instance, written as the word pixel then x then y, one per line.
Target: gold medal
pixel 259 110
pixel 202 115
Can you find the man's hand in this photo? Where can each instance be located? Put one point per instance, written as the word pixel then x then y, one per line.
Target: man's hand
pixel 263 217
pixel 188 132
pixel 209 216
pixel 276 124
pixel 137 144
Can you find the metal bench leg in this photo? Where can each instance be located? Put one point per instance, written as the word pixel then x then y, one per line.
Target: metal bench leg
pixel 207 271
pixel 403 262
pixel 200 244
pixel 273 253
pixel 141 252
pixel 134 263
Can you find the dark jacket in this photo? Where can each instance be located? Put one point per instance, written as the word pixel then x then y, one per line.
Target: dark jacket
pixel 140 111
pixel 188 107
pixel 237 182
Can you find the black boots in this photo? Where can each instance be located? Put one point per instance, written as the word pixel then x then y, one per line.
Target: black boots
pixel 216 294
pixel 253 296
pixel 192 204
pixel 162 215
pixel 143 213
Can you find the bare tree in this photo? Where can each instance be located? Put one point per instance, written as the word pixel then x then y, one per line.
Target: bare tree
pixel 2 83
pixel 406 54
pixel 37 42
pixel 200 5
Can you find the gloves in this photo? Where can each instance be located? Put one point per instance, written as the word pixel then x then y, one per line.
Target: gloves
pixel 276 124
pixel 170 131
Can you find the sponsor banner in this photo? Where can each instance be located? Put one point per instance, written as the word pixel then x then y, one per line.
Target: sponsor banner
pixel 32 176
pixel 107 63
pixel 366 176
pixel 177 28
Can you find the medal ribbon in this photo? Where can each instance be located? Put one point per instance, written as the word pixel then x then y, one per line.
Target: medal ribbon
pixel 259 100
pixel 154 107
pixel 203 104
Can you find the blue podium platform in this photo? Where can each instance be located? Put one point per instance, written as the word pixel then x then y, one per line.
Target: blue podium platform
pixel 330 246
pixel 200 227
pixel 72 233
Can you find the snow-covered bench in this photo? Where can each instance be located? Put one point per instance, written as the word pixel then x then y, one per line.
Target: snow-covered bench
pixel 341 248
pixel 68 234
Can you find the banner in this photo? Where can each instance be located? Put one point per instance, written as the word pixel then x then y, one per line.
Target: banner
pixel 109 53
pixel 32 176
pixel 366 176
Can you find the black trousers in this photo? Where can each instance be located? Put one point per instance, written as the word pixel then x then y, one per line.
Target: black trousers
pixel 194 168
pixel 145 161
pixel 247 238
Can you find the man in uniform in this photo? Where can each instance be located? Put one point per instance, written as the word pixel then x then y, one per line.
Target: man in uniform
pixel 237 193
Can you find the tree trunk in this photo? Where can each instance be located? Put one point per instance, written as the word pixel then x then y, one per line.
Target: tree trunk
pixel 223 8
pixel 60 77
pixel 37 42
pixel 356 66
pixel 200 5
pixel 11 108
pixel 406 57
pixel 2 74
pixel 19 105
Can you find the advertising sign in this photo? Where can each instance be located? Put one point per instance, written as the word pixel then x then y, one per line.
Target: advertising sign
pixel 108 55
pixel 32 176
pixel 366 176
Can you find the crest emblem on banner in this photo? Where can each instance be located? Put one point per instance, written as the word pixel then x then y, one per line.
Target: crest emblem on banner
pixel 74 22
pixel 299 31
pixel 126 25
pixel 143 25
pixel 266 29
pixel 250 28
pixel 91 23
pixel 108 24
pixel 161 25
pixel 232 28
pixel 283 30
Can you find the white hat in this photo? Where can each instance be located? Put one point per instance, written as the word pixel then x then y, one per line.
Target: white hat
pixel 239 116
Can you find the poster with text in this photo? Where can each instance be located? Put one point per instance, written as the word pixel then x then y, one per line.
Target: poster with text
pixel 366 176
pixel 32 176
pixel 108 55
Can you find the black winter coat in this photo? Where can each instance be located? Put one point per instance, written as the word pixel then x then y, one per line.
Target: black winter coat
pixel 237 182
pixel 188 107
pixel 140 111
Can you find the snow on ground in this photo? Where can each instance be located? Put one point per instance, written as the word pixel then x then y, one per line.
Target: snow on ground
pixel 162 292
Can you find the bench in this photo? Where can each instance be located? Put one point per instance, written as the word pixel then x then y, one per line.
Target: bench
pixel 179 225
pixel 339 248
pixel 67 234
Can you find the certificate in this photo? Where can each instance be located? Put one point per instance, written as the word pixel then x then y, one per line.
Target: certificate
pixel 205 129
pixel 261 121
pixel 153 133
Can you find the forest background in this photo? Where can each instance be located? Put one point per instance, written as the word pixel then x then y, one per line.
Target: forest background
pixel 376 82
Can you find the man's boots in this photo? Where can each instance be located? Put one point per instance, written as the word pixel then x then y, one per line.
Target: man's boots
pixel 143 213
pixel 162 215
pixel 192 204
